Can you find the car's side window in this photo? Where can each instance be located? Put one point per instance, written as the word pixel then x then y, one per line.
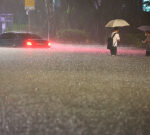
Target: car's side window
pixel 8 36
pixel 3 36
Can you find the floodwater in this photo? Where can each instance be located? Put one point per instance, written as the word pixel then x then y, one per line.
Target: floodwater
pixel 74 90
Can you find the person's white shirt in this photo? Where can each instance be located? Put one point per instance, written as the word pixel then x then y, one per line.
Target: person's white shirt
pixel 116 38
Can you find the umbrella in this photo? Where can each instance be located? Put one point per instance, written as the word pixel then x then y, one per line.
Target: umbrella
pixel 144 28
pixel 117 23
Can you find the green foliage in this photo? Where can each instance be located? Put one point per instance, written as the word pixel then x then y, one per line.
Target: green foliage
pixel 73 35
pixel 17 27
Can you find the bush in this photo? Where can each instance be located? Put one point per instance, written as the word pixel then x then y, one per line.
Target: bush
pixel 73 35
pixel 17 27
pixel 132 39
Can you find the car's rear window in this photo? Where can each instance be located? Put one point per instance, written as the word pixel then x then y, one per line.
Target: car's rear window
pixel 33 36
pixel 27 36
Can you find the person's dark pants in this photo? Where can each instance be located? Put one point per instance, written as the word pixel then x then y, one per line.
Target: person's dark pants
pixel 113 50
pixel 147 52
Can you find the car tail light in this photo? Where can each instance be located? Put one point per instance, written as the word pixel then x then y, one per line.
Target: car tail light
pixel 29 43
pixel 49 44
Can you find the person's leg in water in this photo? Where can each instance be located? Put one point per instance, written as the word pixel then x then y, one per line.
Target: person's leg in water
pixel 113 51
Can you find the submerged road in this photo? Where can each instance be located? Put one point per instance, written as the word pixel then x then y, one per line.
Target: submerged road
pixel 74 90
pixel 75 48
pixel 96 49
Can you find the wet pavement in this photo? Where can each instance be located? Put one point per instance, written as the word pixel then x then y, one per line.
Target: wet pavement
pixel 74 90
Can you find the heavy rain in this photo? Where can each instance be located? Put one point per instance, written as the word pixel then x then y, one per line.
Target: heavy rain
pixel 57 75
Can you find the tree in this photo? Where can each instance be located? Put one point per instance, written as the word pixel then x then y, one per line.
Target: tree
pixel 77 14
pixel 88 15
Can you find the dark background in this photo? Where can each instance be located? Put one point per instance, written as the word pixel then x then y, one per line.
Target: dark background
pixel 86 15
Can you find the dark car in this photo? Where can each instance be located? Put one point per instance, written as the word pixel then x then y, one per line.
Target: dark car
pixel 21 39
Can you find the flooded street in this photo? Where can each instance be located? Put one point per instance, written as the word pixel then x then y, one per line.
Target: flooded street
pixel 57 76
pixel 73 90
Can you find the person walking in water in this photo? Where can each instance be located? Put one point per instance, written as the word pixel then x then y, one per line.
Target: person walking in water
pixel 147 42
pixel 115 38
